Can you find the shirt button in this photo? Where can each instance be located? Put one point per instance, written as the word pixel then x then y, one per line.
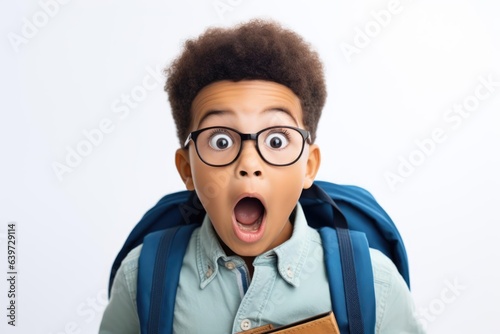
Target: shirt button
pixel 289 272
pixel 230 265
pixel 209 272
pixel 246 324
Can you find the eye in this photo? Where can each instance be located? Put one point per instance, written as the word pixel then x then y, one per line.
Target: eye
pixel 277 140
pixel 220 141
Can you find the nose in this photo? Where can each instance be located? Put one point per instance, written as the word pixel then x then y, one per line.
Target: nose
pixel 249 162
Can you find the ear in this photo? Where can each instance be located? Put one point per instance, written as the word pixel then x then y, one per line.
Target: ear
pixel 184 167
pixel 313 162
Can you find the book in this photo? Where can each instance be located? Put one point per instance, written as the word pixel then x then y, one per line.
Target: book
pixel 324 323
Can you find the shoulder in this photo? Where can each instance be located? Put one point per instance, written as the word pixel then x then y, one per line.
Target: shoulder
pixel 130 263
pixel 384 269
pixel 120 315
pixel 395 311
pixel 126 276
pixel 386 276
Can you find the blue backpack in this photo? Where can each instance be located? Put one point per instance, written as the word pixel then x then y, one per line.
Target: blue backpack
pixel 348 219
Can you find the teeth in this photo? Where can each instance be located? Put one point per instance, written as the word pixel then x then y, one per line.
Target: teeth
pixel 251 228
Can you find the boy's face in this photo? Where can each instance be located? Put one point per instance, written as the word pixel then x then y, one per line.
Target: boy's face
pixel 248 201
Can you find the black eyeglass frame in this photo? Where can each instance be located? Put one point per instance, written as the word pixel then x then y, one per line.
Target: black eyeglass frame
pixel 306 136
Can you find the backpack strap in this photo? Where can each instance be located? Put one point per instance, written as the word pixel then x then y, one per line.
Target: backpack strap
pixel 342 285
pixel 366 215
pixel 162 254
pixel 344 244
pixel 180 208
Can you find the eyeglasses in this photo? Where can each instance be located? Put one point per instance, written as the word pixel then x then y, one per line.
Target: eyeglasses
pixel 220 146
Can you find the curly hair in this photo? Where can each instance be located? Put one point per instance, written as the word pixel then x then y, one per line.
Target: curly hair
pixel 256 50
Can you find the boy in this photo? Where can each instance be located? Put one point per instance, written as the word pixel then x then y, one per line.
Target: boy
pixel 246 102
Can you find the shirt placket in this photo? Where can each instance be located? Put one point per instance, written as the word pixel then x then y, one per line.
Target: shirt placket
pixel 256 297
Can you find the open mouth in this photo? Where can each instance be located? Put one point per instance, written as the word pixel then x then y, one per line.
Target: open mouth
pixel 249 215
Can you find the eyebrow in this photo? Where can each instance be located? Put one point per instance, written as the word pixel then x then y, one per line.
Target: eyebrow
pixel 211 113
pixel 217 112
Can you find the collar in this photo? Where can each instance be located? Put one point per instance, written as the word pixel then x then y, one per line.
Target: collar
pixel 288 258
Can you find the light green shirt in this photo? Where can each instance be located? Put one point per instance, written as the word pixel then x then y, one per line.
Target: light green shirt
pixel 289 283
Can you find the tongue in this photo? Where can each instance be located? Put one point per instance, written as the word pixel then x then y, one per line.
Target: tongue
pixel 248 210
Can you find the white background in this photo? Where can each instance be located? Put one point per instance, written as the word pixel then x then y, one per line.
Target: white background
pixel 69 73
